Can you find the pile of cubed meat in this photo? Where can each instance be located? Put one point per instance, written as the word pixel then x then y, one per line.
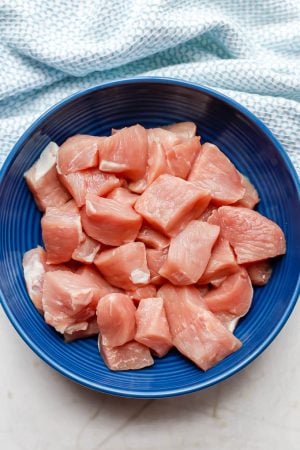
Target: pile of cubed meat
pixel 151 242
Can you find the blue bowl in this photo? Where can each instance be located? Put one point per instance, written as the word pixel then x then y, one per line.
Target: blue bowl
pixel 151 102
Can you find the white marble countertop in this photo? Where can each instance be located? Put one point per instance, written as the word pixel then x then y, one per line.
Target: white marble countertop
pixel 257 409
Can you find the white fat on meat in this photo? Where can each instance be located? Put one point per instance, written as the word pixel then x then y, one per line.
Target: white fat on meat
pixel 138 276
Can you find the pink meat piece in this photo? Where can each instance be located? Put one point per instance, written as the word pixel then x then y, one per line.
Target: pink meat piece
pixel 91 330
pixel 116 319
pixel 259 272
pixel 70 206
pixel 125 266
pixel 156 165
pixel 221 263
pixel 189 253
pixel 208 212
pixel 125 153
pixel 86 250
pixel 137 187
pixel 252 236
pixel 164 137
pixel 229 321
pixel 206 341
pixel 155 260
pixel 92 277
pixel 78 153
pixel 216 282
pixel 182 130
pixel 123 196
pixel 152 238
pixel 130 356
pixel 167 154
pixel 156 162
pixel 250 197
pixel 234 296
pixel 62 234
pixel 181 157
pixel 152 326
pixel 68 301
pixel 181 304
pixel 34 263
pixel 109 221
pixel 196 332
pixel 90 181
pixel 170 153
pixel 169 203
pixel 42 180
pixel 214 172
pixel 139 293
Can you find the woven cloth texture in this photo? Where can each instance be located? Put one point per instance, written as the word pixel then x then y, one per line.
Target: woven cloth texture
pixel 247 49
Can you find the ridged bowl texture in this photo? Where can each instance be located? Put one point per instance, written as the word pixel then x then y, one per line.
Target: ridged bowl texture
pixel 150 102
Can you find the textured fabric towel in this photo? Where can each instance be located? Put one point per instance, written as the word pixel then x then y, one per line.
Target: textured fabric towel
pixel 247 49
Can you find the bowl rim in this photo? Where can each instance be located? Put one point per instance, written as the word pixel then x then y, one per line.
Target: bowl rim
pixel 199 385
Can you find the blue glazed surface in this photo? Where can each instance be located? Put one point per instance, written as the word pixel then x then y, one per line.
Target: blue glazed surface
pixel 151 102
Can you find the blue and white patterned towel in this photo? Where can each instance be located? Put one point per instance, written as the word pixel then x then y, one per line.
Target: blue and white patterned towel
pixel 248 49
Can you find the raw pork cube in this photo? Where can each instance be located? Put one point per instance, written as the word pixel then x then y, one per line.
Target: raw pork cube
pixel 182 305
pixel 109 221
pixel 91 330
pixel 70 206
pixel 250 197
pixel 216 282
pixel 252 236
pixel 229 321
pixel 181 157
pixel 167 153
pixel 152 238
pixel 213 171
pixel 90 181
pixel 86 251
pixel 43 182
pixel 125 266
pixel 77 153
pixel 92 277
pixel 156 162
pixel 234 296
pixel 125 152
pixel 182 130
pixel 164 137
pixel 206 341
pixel 123 195
pixel 68 301
pixel 259 272
pixel 196 332
pixel 189 253
pixel 152 326
pixel 34 262
pixel 155 260
pixel 156 166
pixel 116 319
pixel 62 233
pixel 221 263
pixel 130 356
pixel 139 293
pixel 169 203
pixel 207 213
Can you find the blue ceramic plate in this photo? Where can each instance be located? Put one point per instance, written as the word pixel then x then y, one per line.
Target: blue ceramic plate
pixel 151 102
